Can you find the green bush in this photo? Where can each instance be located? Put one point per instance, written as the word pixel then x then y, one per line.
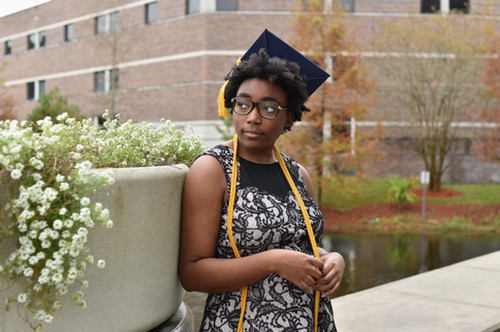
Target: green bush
pixel 400 190
pixel 52 105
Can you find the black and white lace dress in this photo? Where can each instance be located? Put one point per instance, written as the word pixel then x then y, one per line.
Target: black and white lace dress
pixel 266 216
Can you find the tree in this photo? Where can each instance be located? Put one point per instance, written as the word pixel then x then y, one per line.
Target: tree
pixel 52 104
pixel 433 65
pixel 323 142
pixel 6 103
pixel 490 144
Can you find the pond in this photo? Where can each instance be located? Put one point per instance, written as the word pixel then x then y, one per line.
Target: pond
pixel 375 260
pixel 379 259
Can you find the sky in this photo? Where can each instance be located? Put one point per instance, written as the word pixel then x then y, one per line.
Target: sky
pixel 12 6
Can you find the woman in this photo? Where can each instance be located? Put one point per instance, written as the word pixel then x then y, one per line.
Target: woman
pixel 253 250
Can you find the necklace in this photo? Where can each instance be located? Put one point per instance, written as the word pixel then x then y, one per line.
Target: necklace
pixel 232 197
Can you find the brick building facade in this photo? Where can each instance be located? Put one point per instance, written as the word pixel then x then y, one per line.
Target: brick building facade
pixel 170 56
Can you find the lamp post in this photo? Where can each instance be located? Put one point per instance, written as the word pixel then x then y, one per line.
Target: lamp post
pixel 424 179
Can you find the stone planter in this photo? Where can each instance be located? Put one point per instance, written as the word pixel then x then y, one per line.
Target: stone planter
pixel 139 288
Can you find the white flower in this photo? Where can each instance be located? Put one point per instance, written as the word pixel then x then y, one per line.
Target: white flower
pixel 79 147
pixel 62 117
pixel 85 201
pixel 98 207
pixel 68 223
pixel 109 223
pixel 63 211
pixel 21 298
pixel 48 318
pixel 101 263
pixel 28 272
pixel 58 224
pixel 51 194
pixel 64 186
pixel 36 163
pixel 59 178
pixel 16 174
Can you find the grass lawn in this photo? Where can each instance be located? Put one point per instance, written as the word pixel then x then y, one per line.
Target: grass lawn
pixel 348 193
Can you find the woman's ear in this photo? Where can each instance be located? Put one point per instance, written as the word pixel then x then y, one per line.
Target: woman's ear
pixel 289 119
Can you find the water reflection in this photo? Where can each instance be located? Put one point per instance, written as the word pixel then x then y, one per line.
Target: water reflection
pixel 375 260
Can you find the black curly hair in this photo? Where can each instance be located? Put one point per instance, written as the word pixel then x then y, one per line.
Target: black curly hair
pixel 285 74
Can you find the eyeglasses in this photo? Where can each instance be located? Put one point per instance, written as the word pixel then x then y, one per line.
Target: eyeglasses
pixel 266 109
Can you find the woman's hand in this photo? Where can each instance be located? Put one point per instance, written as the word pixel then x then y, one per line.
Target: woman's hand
pixel 302 270
pixel 332 273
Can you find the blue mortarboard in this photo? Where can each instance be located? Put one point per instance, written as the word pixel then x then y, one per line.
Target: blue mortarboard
pixel 277 48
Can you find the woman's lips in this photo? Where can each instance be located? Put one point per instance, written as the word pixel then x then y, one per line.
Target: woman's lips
pixel 251 133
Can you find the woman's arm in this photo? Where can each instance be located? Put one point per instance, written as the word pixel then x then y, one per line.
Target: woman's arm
pixel 203 196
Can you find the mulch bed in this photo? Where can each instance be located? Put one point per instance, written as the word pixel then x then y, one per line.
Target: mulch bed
pixel 360 218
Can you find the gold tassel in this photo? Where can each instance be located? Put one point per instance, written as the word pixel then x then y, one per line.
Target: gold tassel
pixel 220 99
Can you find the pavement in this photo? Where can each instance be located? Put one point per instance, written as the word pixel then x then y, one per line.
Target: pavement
pixel 459 297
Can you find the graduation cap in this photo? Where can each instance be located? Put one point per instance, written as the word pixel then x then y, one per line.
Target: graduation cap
pixel 277 48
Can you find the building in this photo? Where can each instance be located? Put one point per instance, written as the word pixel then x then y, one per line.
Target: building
pixel 166 58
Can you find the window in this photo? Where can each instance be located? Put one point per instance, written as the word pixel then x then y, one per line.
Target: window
pixel 107 23
pixel 114 19
pixel 227 4
pixel 347 5
pixel 100 24
pixel 193 6
pixel 151 12
pixel 36 40
pixel 460 6
pixel 69 32
pixel 31 41
pixel 99 81
pixel 105 80
pixel 8 47
pixel 41 39
pixel 433 6
pixel 35 90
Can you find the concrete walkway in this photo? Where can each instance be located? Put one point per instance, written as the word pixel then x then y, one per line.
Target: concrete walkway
pixel 460 297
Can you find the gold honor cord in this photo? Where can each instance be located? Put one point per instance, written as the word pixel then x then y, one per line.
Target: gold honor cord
pixel 310 232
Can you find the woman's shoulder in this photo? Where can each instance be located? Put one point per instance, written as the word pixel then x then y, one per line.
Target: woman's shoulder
pixel 210 162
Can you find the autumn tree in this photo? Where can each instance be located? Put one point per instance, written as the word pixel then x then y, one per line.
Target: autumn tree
pixel 489 146
pixel 323 140
pixel 433 65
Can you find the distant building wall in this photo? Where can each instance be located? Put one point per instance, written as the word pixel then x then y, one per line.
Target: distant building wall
pixel 173 67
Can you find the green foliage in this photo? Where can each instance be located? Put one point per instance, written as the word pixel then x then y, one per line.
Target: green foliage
pixel 472 193
pixel 342 194
pixel 226 130
pixel 400 190
pixel 47 182
pixel 52 104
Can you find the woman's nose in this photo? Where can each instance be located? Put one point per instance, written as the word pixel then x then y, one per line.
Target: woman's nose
pixel 254 115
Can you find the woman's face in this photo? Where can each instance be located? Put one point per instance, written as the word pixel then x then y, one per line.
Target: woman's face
pixel 255 131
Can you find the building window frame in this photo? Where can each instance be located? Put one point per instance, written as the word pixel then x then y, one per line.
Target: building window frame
pixel 348 5
pixel 42 38
pixel 192 7
pixel 151 12
pixel 8 47
pixel 35 90
pixel 226 5
pixel 103 80
pixel 32 41
pixel 37 40
pixel 444 6
pixel 69 32
pixel 114 22
pixel 107 23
